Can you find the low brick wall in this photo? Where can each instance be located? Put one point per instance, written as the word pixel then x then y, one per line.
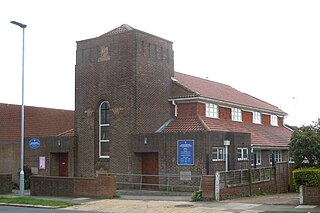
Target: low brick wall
pixel 5 183
pixel 102 186
pixel 244 190
pixel 309 195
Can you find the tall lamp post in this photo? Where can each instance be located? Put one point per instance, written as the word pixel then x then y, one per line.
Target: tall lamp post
pixel 21 192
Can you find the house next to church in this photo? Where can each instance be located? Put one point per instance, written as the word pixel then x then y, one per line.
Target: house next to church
pixel 135 115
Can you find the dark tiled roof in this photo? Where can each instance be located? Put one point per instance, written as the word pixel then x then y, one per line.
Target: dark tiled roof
pixel 261 135
pixel 39 122
pixel 221 92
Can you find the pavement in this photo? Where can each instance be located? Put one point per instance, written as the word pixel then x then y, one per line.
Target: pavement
pixel 158 202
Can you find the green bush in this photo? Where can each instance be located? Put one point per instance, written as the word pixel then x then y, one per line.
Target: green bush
pixel 306 177
pixel 197 195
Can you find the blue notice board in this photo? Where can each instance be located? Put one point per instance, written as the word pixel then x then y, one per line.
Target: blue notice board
pixel 185 152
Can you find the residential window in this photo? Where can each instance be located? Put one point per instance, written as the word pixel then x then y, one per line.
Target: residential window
pixel 242 153
pixel 236 114
pixel 211 110
pixel 104 130
pixel 256 117
pixel 256 158
pixel 218 154
pixel 274 120
pixel 277 156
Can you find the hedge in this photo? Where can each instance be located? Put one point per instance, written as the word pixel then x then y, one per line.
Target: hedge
pixel 306 177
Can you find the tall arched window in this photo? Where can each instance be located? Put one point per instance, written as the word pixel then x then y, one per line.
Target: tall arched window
pixel 104 130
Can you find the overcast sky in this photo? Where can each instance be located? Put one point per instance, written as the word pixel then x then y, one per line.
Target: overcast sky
pixel 268 49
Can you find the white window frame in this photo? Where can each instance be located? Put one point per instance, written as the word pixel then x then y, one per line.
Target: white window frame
pixel 242 152
pixel 100 127
pixel 212 110
pixel 256 117
pixel 257 154
pixel 218 150
pixel 236 114
pixel 277 156
pixel 274 120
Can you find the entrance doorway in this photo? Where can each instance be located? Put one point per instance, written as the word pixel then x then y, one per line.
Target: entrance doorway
pixel 150 166
pixel 59 164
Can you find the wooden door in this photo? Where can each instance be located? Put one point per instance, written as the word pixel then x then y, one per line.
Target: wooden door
pixel 150 166
pixel 63 164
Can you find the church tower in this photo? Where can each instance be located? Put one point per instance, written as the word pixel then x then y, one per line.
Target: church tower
pixel 122 85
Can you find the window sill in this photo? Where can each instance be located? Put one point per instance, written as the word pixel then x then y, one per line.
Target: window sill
pixel 103 157
pixel 218 160
pixel 237 120
pixel 257 123
pixel 212 117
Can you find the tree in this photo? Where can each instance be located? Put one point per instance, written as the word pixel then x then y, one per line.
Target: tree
pixel 305 146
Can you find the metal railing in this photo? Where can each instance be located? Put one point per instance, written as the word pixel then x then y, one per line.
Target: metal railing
pixel 168 182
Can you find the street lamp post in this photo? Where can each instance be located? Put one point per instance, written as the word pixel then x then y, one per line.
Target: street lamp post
pixel 21 192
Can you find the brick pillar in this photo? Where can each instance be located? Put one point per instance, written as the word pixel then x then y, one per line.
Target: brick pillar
pixel 207 187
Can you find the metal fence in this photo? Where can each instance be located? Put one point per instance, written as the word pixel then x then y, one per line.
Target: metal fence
pixel 168 182
pixel 240 177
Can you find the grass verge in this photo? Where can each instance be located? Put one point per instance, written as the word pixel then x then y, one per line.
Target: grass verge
pixel 37 202
pixel 283 212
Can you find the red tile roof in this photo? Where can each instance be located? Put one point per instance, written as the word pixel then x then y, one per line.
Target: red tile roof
pixel 221 92
pixel 261 135
pixel 39 122
pixel 185 124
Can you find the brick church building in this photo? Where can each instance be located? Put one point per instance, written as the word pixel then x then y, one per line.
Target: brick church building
pixel 135 115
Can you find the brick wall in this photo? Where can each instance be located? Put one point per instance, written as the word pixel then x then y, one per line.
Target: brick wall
pixel 309 195
pixel 191 109
pixel 244 190
pixel 280 121
pixel 166 145
pixel 5 183
pixel 247 117
pixel 265 119
pixel 207 186
pixel 277 182
pixel 10 159
pixel 225 113
pixel 102 186
pixel 49 146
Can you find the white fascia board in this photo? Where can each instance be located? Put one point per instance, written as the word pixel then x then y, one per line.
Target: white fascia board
pixel 226 104
pixel 269 147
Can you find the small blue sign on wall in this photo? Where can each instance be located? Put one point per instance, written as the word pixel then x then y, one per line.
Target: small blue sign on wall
pixel 185 152
pixel 34 143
